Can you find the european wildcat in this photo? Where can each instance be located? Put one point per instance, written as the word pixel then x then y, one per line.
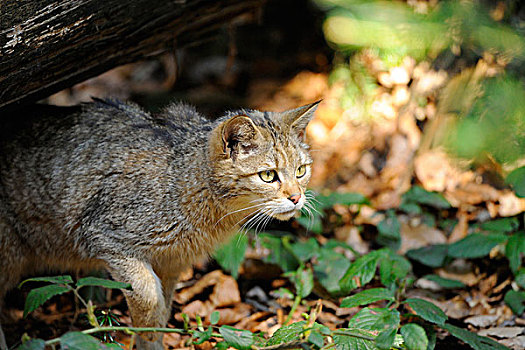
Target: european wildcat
pixel 109 185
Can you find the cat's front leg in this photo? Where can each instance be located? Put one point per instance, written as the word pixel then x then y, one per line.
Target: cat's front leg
pixel 146 301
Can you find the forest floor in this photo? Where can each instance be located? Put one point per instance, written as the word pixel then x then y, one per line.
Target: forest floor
pixel 416 196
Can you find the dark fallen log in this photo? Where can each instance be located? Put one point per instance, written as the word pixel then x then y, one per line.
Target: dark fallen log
pixel 48 45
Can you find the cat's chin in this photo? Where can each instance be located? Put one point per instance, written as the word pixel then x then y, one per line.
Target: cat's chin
pixel 285 216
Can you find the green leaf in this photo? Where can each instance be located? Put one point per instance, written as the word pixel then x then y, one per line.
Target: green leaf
pixel 305 250
pixel 367 318
pixel 237 338
pixel 51 279
pixel 287 334
pixel 80 341
pixel 427 311
pixel 477 342
pixel 354 339
pixel 385 339
pixel 431 335
pixel 387 320
pixel 279 255
pixel 433 256
pixel 501 225
pixel 221 346
pixel 387 323
pixel 520 277
pixel 231 255
pixel 368 296
pixel 341 198
pixel 316 338
pixel 389 231
pixel 419 195
pixel 101 282
pixel 283 293
pixel 313 223
pixel 514 250
pixel 516 180
pixel 39 296
pixel 410 208
pixel 475 245
pixel 330 268
pixel 392 268
pixel 414 336
pixel 201 336
pixel 303 280
pixel 33 344
pixel 361 271
pixel 516 301
pixel 445 282
pixel 214 317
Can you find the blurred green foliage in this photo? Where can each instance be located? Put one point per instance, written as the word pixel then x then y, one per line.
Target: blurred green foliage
pixel 490 112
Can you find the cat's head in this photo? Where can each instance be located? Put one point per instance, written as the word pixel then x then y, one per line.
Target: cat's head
pixel 261 165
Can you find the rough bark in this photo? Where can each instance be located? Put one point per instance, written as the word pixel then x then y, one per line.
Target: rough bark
pixel 48 45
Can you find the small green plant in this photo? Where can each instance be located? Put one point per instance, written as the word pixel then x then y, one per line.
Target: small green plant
pixel 378 282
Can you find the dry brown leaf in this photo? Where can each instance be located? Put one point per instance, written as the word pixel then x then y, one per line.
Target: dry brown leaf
pixel 436 173
pixel 252 320
pixel 172 340
pixel 225 292
pixel 503 332
pixel 461 228
pixel 350 235
pixel 510 204
pixel 460 270
pixel 204 282
pixel 517 343
pixel 482 321
pixel 235 314
pixel 413 237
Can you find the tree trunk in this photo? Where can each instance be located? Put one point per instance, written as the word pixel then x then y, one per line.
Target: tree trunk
pixel 48 45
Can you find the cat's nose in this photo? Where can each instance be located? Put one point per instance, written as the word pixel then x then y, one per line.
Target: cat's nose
pixel 295 198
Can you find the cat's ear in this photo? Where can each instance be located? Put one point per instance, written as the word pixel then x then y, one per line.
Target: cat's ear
pixel 239 136
pixel 297 119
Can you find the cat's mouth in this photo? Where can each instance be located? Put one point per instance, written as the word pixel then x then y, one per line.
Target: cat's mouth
pixel 285 215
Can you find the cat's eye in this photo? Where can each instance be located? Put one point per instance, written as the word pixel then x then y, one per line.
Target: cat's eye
pixel 300 171
pixel 268 175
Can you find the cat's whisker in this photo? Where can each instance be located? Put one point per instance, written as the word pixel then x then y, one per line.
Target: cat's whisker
pixel 238 210
pixel 264 220
pixel 267 221
pixel 254 218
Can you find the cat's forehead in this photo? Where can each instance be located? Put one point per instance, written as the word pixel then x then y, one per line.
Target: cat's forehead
pixel 281 149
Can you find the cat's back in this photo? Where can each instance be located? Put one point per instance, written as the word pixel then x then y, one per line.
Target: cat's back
pixel 64 163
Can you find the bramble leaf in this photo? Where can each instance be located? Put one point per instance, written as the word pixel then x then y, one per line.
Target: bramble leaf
pixel 477 342
pixel 419 195
pixel 514 250
pixel 445 282
pixel 330 268
pixel 427 311
pixel 361 271
pixel 39 296
pixel 66 279
pixel 414 336
pixel 80 341
pixel 102 282
pixel 475 245
pixel 516 301
pixel 33 344
pixel 516 179
pixel 231 255
pixel 433 256
pixel 287 334
pixel 237 338
pixel 368 296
